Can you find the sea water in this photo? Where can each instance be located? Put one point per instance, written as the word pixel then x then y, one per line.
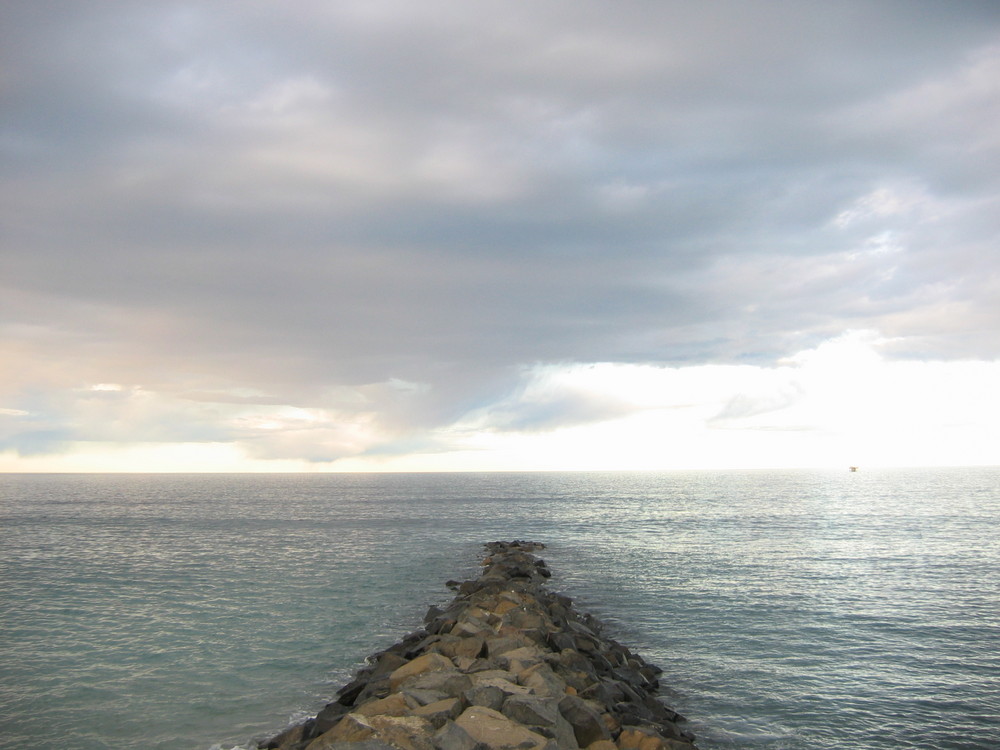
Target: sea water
pixel 790 610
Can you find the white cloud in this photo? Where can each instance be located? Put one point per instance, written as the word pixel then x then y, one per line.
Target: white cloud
pixel 342 231
pixel 839 403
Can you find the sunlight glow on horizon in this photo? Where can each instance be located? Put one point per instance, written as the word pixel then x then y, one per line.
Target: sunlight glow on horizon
pixel 837 405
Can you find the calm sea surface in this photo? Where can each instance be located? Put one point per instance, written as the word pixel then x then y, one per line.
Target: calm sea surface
pixel 791 610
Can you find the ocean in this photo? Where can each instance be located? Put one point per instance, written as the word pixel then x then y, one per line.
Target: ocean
pixel 790 610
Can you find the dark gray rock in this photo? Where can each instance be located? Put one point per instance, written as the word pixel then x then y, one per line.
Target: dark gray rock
pixel 586 722
pixel 489 696
pixel 531 710
pixel 328 718
pixel 423 696
pixel 452 737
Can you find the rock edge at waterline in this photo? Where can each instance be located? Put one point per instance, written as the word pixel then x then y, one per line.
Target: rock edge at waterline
pixel 506 665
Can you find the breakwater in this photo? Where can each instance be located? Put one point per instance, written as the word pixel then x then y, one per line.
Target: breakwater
pixel 507 664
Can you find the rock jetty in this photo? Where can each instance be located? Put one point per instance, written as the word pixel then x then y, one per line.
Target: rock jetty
pixel 506 665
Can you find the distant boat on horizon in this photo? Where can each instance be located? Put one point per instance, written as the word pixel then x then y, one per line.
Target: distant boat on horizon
pixel 853 468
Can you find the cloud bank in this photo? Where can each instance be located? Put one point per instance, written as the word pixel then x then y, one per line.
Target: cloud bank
pixel 316 232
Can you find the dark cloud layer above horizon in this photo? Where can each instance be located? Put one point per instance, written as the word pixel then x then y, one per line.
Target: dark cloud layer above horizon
pixel 393 208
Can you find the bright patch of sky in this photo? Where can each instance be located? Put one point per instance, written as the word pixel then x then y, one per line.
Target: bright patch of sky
pixel 839 404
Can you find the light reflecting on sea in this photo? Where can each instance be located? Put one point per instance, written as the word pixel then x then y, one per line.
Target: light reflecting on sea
pixel 791 610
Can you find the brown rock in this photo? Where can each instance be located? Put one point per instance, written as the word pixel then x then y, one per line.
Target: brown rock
pixel 505 606
pixel 497 645
pixel 497 732
pixel 453 737
pixel 404 732
pixel 439 712
pixel 290 738
pixel 519 659
pixel 426 663
pixel 541 680
pixel 470 646
pixel 352 728
pixel 489 696
pixel 586 722
pixel 396 704
pixel 541 715
pixel 506 682
pixel 423 696
pixel 449 683
pixel 642 738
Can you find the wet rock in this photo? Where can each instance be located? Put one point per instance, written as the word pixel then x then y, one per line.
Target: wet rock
pixel 378 688
pixel 293 737
pixel 328 718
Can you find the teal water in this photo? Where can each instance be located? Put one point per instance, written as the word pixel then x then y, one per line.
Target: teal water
pixel 790 610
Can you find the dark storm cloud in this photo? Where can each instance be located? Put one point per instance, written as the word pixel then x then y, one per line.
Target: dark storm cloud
pixel 305 197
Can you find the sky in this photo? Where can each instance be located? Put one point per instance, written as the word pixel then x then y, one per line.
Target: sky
pixel 379 235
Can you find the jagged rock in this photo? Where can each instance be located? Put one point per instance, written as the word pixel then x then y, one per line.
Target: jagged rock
pixel 328 718
pixel 489 696
pixel 506 665
pixel 541 680
pixel 352 728
pixel 292 738
pixel 531 710
pixel 541 715
pixel 497 732
pixel 392 705
pixel 505 681
pixel 404 732
pixel 451 683
pixel 378 688
pixel 427 663
pixel 498 645
pixel 439 712
pixel 642 738
pixel 562 641
pixel 401 732
pixel 586 722
pixel 453 737
pixel 423 696
pixel 519 659
pixel 471 647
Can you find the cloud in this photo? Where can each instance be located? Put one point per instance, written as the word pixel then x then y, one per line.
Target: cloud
pixel 302 205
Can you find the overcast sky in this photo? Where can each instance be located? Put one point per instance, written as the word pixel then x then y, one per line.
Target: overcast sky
pixel 384 234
